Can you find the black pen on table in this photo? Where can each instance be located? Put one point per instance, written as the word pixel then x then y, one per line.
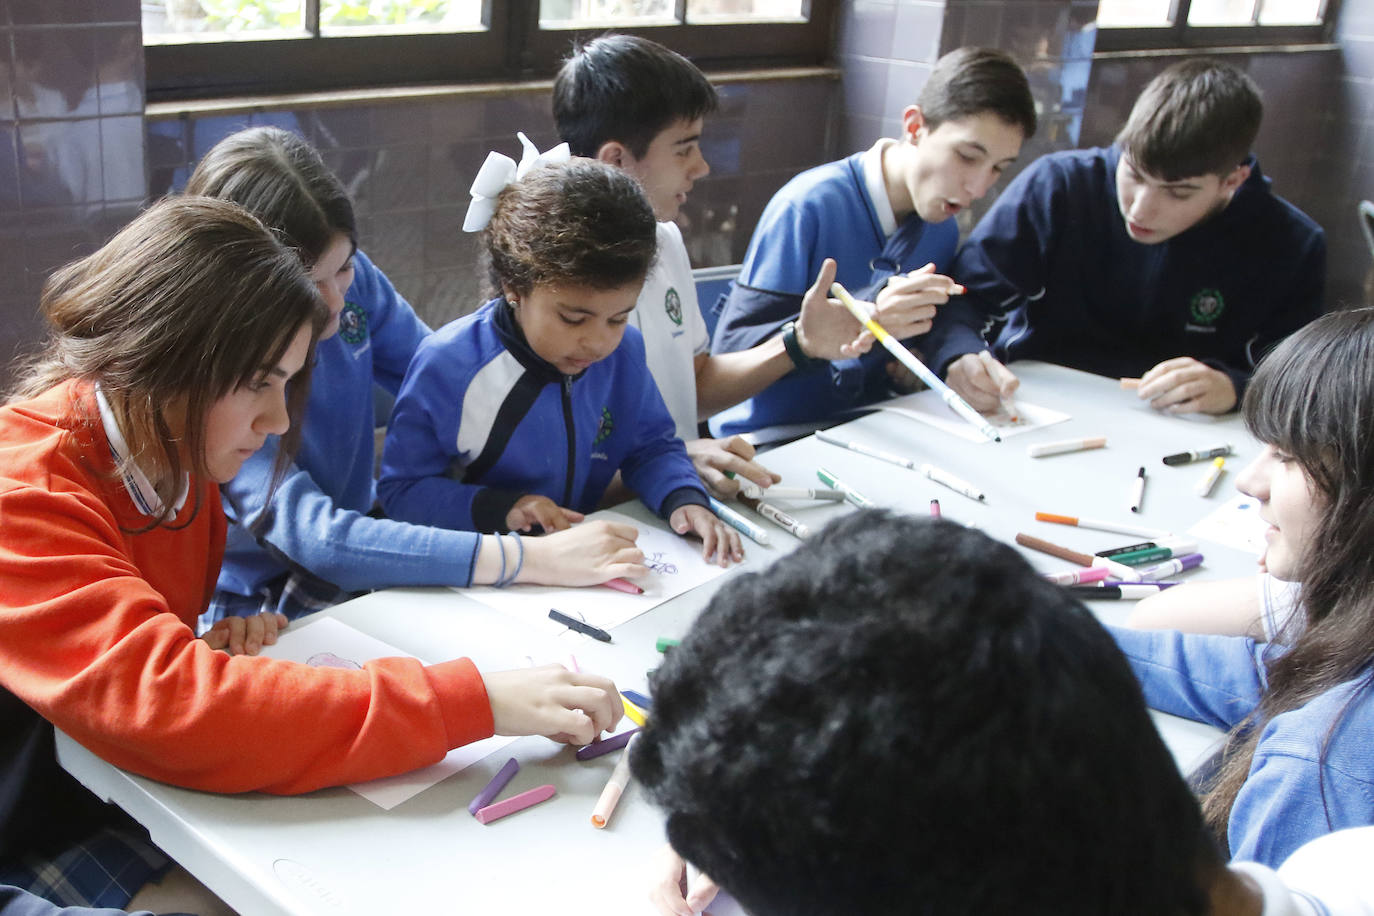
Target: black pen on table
pixel 573 623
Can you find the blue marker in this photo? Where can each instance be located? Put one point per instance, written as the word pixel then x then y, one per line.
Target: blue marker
pixel 738 522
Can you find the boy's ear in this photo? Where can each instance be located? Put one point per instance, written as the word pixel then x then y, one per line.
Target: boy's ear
pixel 1231 182
pixel 613 152
pixel 913 119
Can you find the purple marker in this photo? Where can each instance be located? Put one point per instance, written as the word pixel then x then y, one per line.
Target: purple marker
pixel 493 788
pixel 1159 584
pixel 597 748
pixel 1169 567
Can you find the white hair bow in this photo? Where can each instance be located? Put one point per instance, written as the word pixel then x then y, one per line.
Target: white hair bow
pixel 499 171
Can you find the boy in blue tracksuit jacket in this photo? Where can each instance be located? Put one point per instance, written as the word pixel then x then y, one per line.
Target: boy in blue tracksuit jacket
pixel 482 420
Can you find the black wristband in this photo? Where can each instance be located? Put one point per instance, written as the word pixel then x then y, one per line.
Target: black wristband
pixel 793 347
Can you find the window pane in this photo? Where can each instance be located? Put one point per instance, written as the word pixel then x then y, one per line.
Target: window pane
pixel 603 13
pixel 743 10
pixel 1291 12
pixel 339 17
pixel 174 21
pixel 1127 13
pixel 1222 12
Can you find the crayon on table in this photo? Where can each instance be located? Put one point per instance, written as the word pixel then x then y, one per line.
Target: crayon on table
pixel 615 786
pixel 498 810
pixel 1063 446
pixel 918 368
pixel 738 522
pixel 852 495
pixel 605 745
pixel 493 788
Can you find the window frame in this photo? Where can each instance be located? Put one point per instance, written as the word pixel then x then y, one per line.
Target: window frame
pixel 513 46
pixel 1179 34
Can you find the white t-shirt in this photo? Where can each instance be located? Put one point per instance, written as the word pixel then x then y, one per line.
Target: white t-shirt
pixel 674 332
pixel 1329 876
pixel 877 188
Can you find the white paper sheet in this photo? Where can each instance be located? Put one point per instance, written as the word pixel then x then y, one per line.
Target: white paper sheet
pixel 327 642
pixel 927 407
pixel 675 566
pixel 1236 524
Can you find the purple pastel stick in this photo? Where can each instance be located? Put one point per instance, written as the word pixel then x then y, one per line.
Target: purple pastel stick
pixel 495 812
pixel 597 748
pixel 493 788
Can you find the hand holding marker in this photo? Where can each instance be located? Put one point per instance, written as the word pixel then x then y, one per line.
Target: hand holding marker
pixel 919 369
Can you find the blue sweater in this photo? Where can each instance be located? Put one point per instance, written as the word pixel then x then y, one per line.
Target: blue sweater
pixel 318 518
pixel 824 212
pixel 1053 258
pixel 1313 771
pixel 482 420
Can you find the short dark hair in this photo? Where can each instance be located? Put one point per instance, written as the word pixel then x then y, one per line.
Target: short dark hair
pixel 968 82
pixel 1198 117
pixel 902 717
pixel 627 89
pixel 281 179
pixel 582 223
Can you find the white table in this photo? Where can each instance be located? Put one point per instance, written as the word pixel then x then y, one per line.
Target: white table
pixel 334 852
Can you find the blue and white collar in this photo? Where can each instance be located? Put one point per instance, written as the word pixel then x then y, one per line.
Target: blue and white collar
pixel 877 188
pixel 140 488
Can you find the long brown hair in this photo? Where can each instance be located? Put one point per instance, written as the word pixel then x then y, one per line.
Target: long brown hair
pixel 183 305
pixel 1312 398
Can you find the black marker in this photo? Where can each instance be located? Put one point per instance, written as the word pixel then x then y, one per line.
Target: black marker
pixel 572 623
pixel 1206 454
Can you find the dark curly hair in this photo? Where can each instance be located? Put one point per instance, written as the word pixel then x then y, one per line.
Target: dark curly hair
pixel 582 223
pixel 902 717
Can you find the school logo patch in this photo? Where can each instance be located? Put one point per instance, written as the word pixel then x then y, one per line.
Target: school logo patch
pixel 604 427
pixel 353 323
pixel 1207 307
pixel 672 304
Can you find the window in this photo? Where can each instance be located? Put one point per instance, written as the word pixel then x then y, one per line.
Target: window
pixel 1146 24
pixel 199 48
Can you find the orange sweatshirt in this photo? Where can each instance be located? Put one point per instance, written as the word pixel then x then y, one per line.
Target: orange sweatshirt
pixel 95 635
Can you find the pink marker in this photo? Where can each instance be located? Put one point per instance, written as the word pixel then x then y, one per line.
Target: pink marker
pixel 623 585
pixel 1079 576
pixel 495 812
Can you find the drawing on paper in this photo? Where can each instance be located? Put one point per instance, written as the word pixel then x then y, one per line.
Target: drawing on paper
pixel 659 563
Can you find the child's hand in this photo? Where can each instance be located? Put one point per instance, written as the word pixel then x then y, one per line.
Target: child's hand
pixel 586 554
pixel 1185 385
pixel 719 543
pixel 533 509
pixel 982 382
pixel 670 894
pixel 714 457
pixel 245 635
pixel 567 706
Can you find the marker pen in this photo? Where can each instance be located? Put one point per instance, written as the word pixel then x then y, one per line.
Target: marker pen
pixel 1209 480
pixel 1128 591
pixel 778 517
pixel 850 494
pixel 1063 446
pixel 1079 576
pixel 738 522
pixel 1169 567
pixel 1202 454
pixel 1138 490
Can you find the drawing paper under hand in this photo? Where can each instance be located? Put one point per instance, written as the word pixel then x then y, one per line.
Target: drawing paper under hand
pixel 675 566
pixel 326 642
pixel 927 407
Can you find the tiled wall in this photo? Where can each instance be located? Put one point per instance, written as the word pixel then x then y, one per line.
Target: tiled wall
pixel 408 166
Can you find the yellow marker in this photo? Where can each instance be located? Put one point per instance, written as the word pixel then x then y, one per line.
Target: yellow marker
pixel 904 356
pixel 1209 480
pixel 637 715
